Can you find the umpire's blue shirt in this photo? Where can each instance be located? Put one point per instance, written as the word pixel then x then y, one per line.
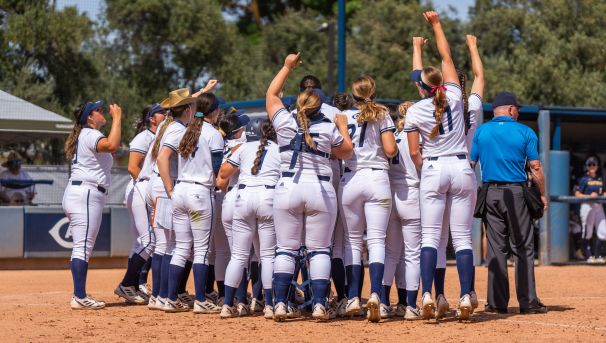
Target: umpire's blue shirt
pixel 503 146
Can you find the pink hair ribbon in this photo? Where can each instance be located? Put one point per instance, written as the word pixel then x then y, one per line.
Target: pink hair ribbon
pixel 434 89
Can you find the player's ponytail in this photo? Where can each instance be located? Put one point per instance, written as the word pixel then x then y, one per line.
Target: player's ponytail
pixel 364 93
pixel 267 133
pixel 308 105
pixel 433 78
pixel 462 81
pixel 190 138
pixel 143 120
pixel 70 143
pixel 402 110
pixel 169 119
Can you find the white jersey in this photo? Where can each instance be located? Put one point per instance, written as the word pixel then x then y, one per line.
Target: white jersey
pixel 327 110
pixel 474 108
pixel 451 137
pixel 324 133
pixel 198 167
pixel 88 164
pixel 171 139
pixel 227 152
pixel 401 167
pixel 142 144
pixel 269 165
pixel 366 138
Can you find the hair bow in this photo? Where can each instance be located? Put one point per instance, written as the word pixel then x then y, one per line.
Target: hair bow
pixel 434 89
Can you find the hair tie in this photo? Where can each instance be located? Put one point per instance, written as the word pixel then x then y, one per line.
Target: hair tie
pixel 367 100
pixel 222 132
pixel 434 89
pixel 199 115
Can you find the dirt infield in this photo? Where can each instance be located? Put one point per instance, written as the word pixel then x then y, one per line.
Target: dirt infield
pixel 34 306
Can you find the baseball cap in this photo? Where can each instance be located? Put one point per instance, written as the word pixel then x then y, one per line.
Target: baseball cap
pixel 505 99
pixel 89 107
pixel 243 118
pixel 591 160
pixel 156 108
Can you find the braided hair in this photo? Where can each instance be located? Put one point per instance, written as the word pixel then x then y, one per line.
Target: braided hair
pixel 268 133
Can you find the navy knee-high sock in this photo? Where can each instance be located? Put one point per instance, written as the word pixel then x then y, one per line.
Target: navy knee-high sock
pixel 156 273
pixel 597 248
pixel 255 278
pixel 210 279
pixel 402 296
pixel 79 270
pixel 221 288
pixel 230 293
pixel 145 271
pixel 353 272
pixel 361 280
pixel 201 272
pixel 241 292
pixel 439 279
pixel 131 277
pixel 281 284
pixel 337 271
pixel 320 288
pixel 473 278
pixel 465 268
pixel 185 277
pixel 291 288
pixel 587 248
pixel 376 277
pixel 411 298
pixel 385 295
pixel 175 276
pixel 164 276
pixel 429 258
pixel 269 300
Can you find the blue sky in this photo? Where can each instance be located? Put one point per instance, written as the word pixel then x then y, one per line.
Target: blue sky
pixel 92 7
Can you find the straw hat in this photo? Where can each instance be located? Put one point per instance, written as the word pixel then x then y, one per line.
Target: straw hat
pixel 178 98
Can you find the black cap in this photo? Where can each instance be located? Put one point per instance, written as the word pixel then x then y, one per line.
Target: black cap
pixel 505 99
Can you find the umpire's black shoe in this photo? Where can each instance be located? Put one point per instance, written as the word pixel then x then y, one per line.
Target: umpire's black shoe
pixel 492 309
pixel 539 308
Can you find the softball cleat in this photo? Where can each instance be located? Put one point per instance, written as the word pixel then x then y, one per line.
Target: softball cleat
pixel 427 306
pixel 320 313
pixel 228 312
pixel 129 293
pixel 186 298
pixel 386 311
pixel 465 308
pixel 206 307
pixel 412 313
pixel 353 307
pixel 400 310
pixel 243 310
pixel 280 312
pixel 442 307
pixel 175 306
pixel 86 303
pixel 372 305
pixel 268 312
pixel 474 299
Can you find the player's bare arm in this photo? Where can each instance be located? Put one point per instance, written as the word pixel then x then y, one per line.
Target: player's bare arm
pixel 273 102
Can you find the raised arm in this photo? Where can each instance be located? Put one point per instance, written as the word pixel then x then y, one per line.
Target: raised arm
pixel 476 65
pixel 273 101
pixel 112 142
pixel 448 69
pixel 417 52
pixel 210 85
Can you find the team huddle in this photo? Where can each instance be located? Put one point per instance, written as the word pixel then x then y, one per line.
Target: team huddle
pixel 288 214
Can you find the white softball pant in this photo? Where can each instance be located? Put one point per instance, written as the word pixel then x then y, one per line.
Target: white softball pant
pixel 253 213
pixel 448 182
pixel 365 204
pixel 143 240
pixel 304 207
pixel 592 216
pixel 222 235
pixel 403 240
pixel 83 206
pixel 165 237
pixel 338 240
pixel 193 214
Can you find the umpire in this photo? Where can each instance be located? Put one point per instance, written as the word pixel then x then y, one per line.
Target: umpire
pixel 503 146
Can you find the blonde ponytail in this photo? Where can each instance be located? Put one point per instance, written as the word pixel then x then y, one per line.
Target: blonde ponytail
pixel 364 92
pixel 308 104
pixel 156 147
pixel 72 139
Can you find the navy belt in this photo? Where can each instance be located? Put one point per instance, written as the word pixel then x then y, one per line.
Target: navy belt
pixel 99 188
pixel 320 177
pixel 347 170
pixel 459 156
pixel 266 186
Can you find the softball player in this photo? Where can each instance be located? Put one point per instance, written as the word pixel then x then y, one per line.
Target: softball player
pixel 259 165
pixel 403 239
pixel 143 240
pixel 165 172
pixel 304 197
pixel 592 214
pixel 86 192
pixel 200 152
pixel 365 193
pixel 472 110
pixel 446 176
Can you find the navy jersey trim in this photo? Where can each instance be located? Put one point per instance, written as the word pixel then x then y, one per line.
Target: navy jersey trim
pixel 410 129
pixel 452 84
pixel 97 142
pixel 170 146
pixel 237 165
pixel 278 112
pixel 137 150
pixel 477 95
pixel 390 128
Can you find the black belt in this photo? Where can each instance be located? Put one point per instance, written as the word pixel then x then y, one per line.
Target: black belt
pixel 266 186
pixel 502 184
pixel 194 182
pixel 320 177
pixel 347 170
pixel 459 156
pixel 99 188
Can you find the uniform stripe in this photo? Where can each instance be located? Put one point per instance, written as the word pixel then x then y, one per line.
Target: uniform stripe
pixel 390 128
pixel 212 220
pixel 452 84
pixel 233 163
pixel 170 146
pixel 411 129
pixel 137 150
pixel 476 95
pixel 277 113
pixel 87 223
pixel 97 142
pixel 339 143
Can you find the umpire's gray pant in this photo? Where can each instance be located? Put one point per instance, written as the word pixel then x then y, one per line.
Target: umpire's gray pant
pixel 508 221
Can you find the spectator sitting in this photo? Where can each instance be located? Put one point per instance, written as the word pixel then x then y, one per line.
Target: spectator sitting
pixel 15 194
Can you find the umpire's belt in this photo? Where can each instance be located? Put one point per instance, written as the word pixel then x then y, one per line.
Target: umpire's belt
pixel 266 186
pixel 99 188
pixel 504 184
pixel 459 156
pixel 320 177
